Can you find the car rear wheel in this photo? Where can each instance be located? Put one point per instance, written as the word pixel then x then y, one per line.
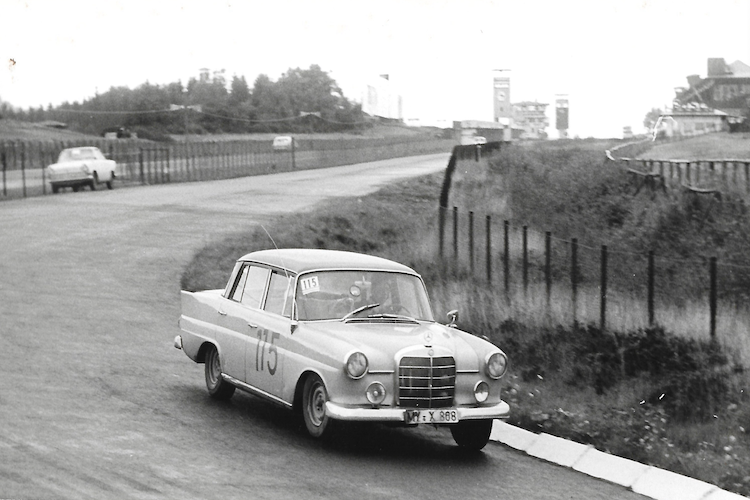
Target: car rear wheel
pixel 218 388
pixel 472 434
pixel 314 398
pixel 55 188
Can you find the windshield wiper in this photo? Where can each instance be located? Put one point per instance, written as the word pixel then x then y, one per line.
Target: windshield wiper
pixel 359 310
pixel 393 316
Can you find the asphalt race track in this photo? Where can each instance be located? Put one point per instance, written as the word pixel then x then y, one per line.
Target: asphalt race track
pixel 96 403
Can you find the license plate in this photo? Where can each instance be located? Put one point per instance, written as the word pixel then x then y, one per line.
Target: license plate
pixel 446 416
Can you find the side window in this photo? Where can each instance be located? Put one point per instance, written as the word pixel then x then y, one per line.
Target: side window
pixel 237 294
pixel 255 286
pixel 279 300
pixel 251 284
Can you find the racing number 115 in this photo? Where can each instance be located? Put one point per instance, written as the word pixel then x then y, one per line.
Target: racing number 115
pixel 260 353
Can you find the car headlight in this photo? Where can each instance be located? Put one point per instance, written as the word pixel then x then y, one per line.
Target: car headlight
pixel 497 364
pixel 375 393
pixel 481 391
pixel 356 365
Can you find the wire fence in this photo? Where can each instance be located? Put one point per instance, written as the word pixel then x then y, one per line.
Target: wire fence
pixel 573 282
pixel 24 163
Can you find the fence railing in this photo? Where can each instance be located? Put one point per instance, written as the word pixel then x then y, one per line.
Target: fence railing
pixel 712 177
pixel 24 163
pixel 580 282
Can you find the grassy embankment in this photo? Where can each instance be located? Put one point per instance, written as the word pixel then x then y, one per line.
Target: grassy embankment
pixel 675 401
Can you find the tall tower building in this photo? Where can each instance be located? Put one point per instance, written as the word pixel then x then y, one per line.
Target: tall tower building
pixel 561 115
pixel 501 93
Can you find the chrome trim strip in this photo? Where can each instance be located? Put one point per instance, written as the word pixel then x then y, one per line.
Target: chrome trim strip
pixel 254 390
pixel 381 372
pixel 467 371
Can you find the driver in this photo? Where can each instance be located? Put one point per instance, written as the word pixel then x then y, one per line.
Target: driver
pixel 382 293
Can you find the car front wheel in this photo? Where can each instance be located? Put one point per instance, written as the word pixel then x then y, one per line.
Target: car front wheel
pixel 314 398
pixel 218 388
pixel 472 434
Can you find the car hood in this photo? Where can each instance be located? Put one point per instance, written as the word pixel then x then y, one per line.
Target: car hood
pixel 383 342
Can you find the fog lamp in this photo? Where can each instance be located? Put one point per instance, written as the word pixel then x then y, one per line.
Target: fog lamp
pixel 356 365
pixel 481 391
pixel 375 393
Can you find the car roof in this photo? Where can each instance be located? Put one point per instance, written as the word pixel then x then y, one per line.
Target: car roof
pixel 300 260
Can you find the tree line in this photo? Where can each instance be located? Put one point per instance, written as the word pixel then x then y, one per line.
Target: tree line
pixel 300 101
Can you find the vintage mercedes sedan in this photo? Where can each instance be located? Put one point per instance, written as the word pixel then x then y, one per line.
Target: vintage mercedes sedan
pixel 79 167
pixel 342 336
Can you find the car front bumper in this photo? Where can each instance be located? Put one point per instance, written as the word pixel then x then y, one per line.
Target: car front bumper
pixel 359 414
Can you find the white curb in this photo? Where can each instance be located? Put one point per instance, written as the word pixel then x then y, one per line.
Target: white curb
pixel 557 450
pixel 667 485
pixel 617 470
pixel 645 480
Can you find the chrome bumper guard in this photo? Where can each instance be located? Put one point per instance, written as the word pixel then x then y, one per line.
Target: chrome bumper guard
pixel 388 414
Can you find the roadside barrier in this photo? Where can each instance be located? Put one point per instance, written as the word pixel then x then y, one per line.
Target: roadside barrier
pixel 142 162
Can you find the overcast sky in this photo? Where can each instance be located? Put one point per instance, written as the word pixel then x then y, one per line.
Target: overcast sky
pixel 616 59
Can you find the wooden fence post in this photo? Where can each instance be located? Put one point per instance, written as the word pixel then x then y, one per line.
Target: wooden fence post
pixel 713 295
pixel 548 267
pixel 574 277
pixel 525 250
pixel 488 244
pixel 471 242
pixel 441 231
pixel 506 256
pixel 651 288
pixel 603 290
pixel 455 240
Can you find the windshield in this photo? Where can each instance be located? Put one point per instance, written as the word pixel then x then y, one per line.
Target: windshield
pixel 78 154
pixel 335 294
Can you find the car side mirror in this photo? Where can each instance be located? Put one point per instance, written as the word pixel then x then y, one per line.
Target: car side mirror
pixel 453 318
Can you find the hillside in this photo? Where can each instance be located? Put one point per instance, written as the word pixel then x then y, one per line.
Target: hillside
pixel 13 130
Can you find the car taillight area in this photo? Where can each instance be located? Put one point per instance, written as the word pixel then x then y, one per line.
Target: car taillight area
pixel 426 382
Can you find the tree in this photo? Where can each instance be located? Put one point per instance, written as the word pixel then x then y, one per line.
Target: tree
pixel 651 118
pixel 240 90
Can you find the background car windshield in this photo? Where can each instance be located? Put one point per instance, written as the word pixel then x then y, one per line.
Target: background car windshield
pixel 77 154
pixel 334 294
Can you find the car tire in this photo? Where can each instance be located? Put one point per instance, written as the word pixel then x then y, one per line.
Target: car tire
pixel 55 188
pixel 218 388
pixel 314 398
pixel 472 434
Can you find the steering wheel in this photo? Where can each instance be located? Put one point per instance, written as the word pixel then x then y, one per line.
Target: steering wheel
pixel 342 307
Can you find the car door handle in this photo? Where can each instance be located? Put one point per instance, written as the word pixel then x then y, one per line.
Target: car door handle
pixel 251 325
pixel 223 313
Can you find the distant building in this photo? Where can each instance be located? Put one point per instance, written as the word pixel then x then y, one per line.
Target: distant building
pixel 689 122
pixel 531 118
pixel 725 88
pixel 381 99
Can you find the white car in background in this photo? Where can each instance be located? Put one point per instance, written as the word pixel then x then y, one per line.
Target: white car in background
pixel 78 167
